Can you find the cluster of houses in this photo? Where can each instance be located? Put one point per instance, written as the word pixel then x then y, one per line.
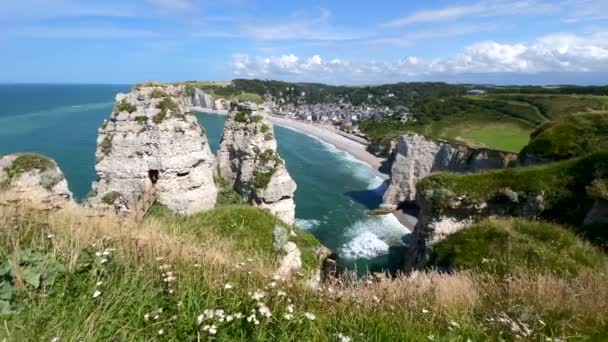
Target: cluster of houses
pixel 339 114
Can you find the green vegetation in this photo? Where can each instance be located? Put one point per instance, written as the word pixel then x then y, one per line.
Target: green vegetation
pixel 166 105
pixel 563 186
pixel 124 106
pixel 26 162
pixel 598 189
pixel 111 197
pixel 241 116
pixel 507 246
pixel 557 106
pixel 227 195
pixel 262 179
pixel 158 93
pixel 141 119
pixel 153 280
pixel 249 97
pixel 569 137
pixel 106 144
pixel 264 129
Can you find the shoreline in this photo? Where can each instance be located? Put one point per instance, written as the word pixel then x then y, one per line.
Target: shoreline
pixel 339 141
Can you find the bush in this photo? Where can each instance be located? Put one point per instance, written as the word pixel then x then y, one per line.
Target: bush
pixel 507 246
pixel 111 197
pixel 158 93
pixel 124 106
pixel 249 97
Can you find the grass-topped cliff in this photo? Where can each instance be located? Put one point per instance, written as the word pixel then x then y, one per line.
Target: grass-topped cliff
pixel 569 137
pixel 77 274
pixel 564 188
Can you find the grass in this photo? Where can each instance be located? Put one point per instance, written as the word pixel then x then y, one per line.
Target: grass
pixel 506 246
pixel 562 185
pixel 128 264
pixel 249 97
pixel 125 106
pixel 166 105
pixel 557 106
pixel 569 137
pixel 26 162
pixel 503 136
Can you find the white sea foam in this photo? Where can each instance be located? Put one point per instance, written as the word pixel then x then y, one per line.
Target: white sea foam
pixel 308 224
pixel 373 237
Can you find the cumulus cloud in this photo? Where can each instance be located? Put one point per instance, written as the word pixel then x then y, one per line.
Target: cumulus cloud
pixel 553 53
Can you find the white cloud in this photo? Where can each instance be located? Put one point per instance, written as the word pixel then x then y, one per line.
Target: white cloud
pixel 553 53
pixel 297 27
pixel 413 37
pixel 469 11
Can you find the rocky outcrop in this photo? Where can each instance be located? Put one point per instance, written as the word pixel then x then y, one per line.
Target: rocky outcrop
pixel 416 157
pixel 249 161
pixel 152 149
pixel 443 213
pixel 598 214
pixel 37 177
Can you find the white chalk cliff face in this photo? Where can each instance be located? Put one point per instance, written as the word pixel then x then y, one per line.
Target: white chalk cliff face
pixel 152 149
pixel 249 161
pixel 416 157
pixel 37 177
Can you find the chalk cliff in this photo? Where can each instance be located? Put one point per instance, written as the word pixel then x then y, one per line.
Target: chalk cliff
pixel 36 177
pixel 249 161
pixel 152 149
pixel 416 157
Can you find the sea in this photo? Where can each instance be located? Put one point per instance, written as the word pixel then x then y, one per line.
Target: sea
pixel 335 191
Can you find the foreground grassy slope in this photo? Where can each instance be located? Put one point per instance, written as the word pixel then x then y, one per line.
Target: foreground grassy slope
pixel 569 137
pixel 510 245
pixel 77 275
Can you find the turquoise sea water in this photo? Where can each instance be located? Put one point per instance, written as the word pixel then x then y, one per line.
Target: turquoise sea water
pixel 334 194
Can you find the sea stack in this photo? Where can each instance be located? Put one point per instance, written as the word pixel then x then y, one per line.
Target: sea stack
pixel 36 177
pixel 249 161
pixel 153 150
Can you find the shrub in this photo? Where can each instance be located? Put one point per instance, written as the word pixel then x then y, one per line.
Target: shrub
pixel 141 119
pixel 249 97
pixel 124 106
pixel 241 116
pixel 262 179
pixel 165 105
pixel 111 197
pixel 158 93
pixel 106 144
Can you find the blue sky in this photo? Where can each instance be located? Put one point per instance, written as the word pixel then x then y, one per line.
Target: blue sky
pixel 339 42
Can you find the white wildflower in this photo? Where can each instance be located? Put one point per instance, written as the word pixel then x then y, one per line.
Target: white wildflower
pixel 258 295
pixel 98 254
pixel 200 318
pixel 264 310
pixel 99 283
pixel 310 316
pixel 96 294
pixel 290 308
pixel 229 318
pixel 146 317
pixel 455 324
pixel 228 286
pixel 50 236
pixel 160 258
pixel 103 260
pixel 425 311
pixel 213 330
pixel 343 338
pixel 238 315
pixel 161 332
pixel 272 285
pixel 55 339
pixel 281 293
pixel 288 316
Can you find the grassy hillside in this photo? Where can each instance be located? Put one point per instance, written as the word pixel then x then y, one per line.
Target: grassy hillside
pixel 563 186
pixel 569 137
pixel 497 121
pixel 77 275
pixel 509 245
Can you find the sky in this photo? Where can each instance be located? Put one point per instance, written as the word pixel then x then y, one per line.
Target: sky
pixel 335 42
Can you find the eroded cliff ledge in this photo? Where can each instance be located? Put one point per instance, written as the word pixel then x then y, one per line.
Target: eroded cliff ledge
pixel 417 156
pixel 249 161
pixel 152 149
pixel 36 177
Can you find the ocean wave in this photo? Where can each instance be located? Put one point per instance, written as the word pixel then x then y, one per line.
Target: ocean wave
pixel 373 237
pixel 308 224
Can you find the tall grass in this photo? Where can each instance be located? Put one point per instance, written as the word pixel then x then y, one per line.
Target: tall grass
pixel 140 300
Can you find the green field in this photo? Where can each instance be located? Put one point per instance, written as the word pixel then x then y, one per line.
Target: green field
pixel 503 136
